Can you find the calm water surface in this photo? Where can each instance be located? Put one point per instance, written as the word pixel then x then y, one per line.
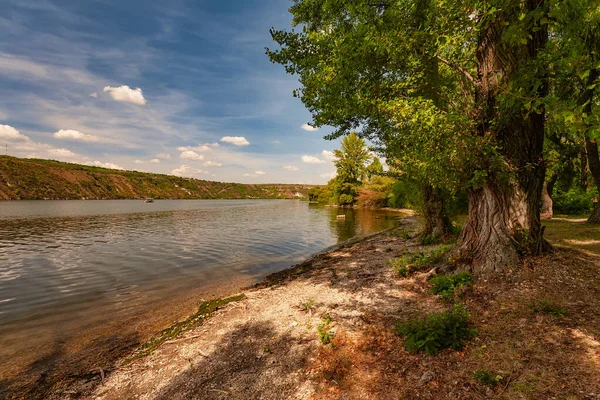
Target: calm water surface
pixel 67 267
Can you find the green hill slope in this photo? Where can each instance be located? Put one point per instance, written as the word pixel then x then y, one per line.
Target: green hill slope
pixel 34 179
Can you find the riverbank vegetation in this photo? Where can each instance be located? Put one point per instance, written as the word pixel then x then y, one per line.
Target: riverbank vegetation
pixel 33 179
pixel 481 98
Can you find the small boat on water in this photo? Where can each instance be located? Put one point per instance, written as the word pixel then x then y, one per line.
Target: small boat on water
pixel 149 200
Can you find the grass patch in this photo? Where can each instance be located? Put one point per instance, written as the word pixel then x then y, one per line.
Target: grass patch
pixel 407 265
pixel 325 333
pixel 308 305
pixel 205 310
pixel 546 306
pixel 447 285
pixel 449 329
pixel 487 378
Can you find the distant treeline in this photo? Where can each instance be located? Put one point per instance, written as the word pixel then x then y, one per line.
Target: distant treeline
pixel 35 179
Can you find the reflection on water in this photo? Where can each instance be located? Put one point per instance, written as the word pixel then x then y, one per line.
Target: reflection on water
pixel 66 265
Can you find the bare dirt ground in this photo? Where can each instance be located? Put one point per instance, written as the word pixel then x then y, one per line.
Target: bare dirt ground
pixel 267 346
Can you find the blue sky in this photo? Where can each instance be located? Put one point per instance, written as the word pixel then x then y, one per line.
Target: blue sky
pixel 178 87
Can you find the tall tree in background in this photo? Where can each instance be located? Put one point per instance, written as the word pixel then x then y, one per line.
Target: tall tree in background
pixel 453 89
pixel 351 161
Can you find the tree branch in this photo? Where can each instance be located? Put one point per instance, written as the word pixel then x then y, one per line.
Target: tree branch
pixel 460 69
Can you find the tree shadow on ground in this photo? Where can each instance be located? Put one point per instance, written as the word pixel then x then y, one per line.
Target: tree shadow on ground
pixel 251 360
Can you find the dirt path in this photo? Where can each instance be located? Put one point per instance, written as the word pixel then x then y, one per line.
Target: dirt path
pixel 268 345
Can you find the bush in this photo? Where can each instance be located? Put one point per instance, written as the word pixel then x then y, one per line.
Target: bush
pixel 446 285
pixel 574 201
pixel 438 331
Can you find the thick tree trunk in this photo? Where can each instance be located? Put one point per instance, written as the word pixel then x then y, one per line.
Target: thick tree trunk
pixel 504 215
pixel 591 145
pixel 547 212
pixel 437 222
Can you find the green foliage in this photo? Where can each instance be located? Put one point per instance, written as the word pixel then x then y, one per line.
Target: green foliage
pixel 446 285
pixel 576 201
pixel 351 164
pixel 547 307
pixel 488 378
pixel 407 265
pixel 324 329
pixel 438 331
pixel 405 193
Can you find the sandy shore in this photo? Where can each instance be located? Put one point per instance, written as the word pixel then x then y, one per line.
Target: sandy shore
pixel 268 344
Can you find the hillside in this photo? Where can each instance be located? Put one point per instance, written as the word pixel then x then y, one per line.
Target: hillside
pixel 34 179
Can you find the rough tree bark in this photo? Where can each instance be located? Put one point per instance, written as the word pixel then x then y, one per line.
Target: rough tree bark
pixel 591 145
pixel 547 212
pixel 504 215
pixel 437 222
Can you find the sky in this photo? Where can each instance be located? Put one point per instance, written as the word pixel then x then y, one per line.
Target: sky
pixel 175 87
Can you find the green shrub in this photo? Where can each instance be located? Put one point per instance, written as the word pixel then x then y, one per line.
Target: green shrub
pixel 446 285
pixel 438 331
pixel 429 240
pixel 487 377
pixel 324 328
pixel 546 306
pixel 574 201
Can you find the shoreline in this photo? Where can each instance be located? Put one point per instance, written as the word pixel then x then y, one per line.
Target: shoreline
pixel 89 369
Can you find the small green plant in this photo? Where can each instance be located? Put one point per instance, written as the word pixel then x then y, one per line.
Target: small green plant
pixel 438 331
pixel 324 328
pixel 307 305
pixel 446 285
pixel 406 266
pixel 488 378
pixel 388 250
pixel 428 240
pixel 546 306
pixel 405 235
pixel 267 349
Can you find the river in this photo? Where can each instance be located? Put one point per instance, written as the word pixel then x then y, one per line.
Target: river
pixel 96 277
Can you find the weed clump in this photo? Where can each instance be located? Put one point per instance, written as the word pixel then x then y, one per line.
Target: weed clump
pixel 450 329
pixel 488 378
pixel 546 306
pixel 324 328
pixel 447 285
pixel 406 266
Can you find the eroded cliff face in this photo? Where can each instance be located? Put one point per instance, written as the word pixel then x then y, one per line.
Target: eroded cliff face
pixel 33 179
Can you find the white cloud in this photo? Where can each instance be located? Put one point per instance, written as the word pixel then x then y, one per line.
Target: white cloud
pixel 62 153
pixel 329 175
pixel 155 161
pixel 185 170
pixel 138 162
pixel 259 173
pixel 312 160
pixel 191 155
pixel 328 155
pixel 235 140
pixel 275 141
pixel 126 95
pixel 212 164
pixel 291 168
pixel 71 134
pixel 94 94
pixel 309 128
pixel 164 156
pixel 104 165
pixel 7 132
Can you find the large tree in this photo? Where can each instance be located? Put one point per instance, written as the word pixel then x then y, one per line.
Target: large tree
pixel 457 86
